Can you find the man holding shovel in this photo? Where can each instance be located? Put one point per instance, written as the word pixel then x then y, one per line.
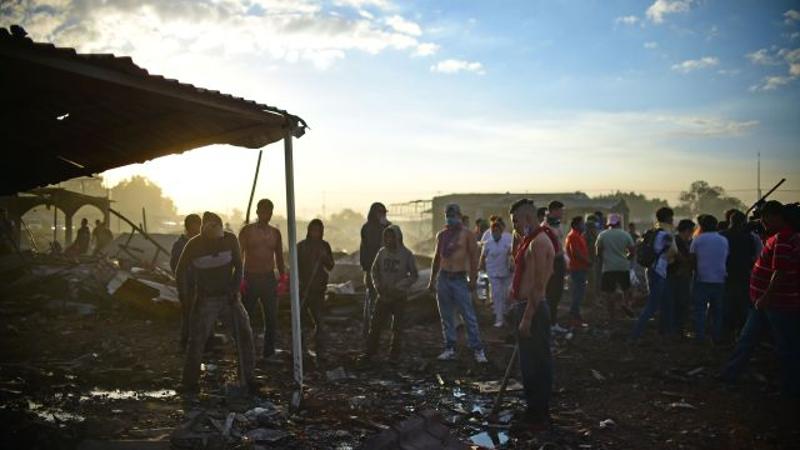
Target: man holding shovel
pixel 533 262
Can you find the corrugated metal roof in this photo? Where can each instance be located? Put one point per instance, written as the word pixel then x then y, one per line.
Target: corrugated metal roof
pixel 67 114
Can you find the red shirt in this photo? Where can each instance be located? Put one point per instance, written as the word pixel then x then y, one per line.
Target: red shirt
pixel 577 250
pixel 781 252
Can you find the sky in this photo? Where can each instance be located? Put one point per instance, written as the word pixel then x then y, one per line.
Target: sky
pixel 408 100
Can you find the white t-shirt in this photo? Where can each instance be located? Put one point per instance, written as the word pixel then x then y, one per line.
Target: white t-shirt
pixel 497 255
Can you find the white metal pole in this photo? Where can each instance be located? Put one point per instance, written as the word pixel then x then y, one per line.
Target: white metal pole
pixel 294 280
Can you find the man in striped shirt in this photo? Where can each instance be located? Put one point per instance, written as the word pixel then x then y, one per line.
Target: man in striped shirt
pixel 775 293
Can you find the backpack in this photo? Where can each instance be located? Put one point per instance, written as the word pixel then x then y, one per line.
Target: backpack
pixel 646 254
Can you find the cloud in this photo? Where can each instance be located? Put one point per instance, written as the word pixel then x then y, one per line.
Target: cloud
pixel 762 57
pixel 426 49
pixel 791 17
pixel 627 20
pixel 454 66
pixel 651 45
pixel 690 65
pixel 779 57
pixel 404 26
pixel 771 83
pixel 661 8
pixel 154 32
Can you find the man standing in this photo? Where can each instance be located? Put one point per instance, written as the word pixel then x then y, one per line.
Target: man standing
pixel 661 243
pixel 496 261
pixel 102 237
pixel 262 250
pixel 84 238
pixel 595 264
pixel 454 273
pixel 710 253
pixel 679 277
pixel 216 263
pixel 615 249
pixel 314 260
pixel 775 293
pixel 393 273
pixel 533 269
pixel 577 251
pixel 371 242
pixel 742 254
pixel 555 287
pixel 185 283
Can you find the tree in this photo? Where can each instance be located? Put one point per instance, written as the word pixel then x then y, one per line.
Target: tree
pixel 702 198
pixel 138 192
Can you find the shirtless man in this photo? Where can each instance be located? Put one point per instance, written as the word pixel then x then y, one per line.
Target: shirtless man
pixel 456 256
pixel 262 251
pixel 534 267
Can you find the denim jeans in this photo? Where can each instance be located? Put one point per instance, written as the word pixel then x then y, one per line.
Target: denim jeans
pixel 577 287
pixel 263 287
pixel 754 326
pixel 536 360
pixel 785 326
pixel 453 297
pixel 657 301
pixel 707 297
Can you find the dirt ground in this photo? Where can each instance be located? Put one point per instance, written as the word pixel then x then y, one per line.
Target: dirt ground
pixel 69 379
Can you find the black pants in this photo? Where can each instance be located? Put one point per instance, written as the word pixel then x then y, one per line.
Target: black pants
pixel 186 297
pixel 736 304
pixel 555 287
pixel 313 307
pixel 263 287
pixel 386 308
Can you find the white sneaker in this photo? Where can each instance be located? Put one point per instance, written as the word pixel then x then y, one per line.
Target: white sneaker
pixel 498 324
pixel 558 329
pixel 448 354
pixel 480 357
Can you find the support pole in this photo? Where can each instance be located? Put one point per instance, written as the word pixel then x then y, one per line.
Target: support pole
pixel 55 224
pixel 253 189
pixel 294 287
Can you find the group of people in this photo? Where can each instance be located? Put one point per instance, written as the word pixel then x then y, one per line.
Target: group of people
pixel 729 277
pixel 98 239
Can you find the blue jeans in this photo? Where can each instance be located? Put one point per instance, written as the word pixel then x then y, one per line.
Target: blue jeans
pixel 536 360
pixel 705 297
pixel 754 326
pixel 785 327
pixel 263 287
pixel 656 300
pixel 452 295
pixel 577 286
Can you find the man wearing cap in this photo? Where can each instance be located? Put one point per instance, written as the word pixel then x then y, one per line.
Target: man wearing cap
pixel 453 275
pixel 615 249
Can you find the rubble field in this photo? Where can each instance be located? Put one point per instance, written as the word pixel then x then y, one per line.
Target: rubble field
pixel 82 367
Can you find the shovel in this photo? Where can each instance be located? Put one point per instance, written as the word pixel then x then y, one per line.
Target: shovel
pixel 497 401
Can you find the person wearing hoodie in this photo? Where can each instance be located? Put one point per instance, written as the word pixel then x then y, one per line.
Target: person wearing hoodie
pixel 371 242
pixel 314 261
pixel 393 272
pixel 215 260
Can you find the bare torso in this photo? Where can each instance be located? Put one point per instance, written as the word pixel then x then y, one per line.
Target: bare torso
pixel 260 245
pixel 460 260
pixel 538 268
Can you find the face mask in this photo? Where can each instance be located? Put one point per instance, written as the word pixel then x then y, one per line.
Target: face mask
pixel 553 221
pixel 453 221
pixel 496 235
pixel 528 229
pixel 383 220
